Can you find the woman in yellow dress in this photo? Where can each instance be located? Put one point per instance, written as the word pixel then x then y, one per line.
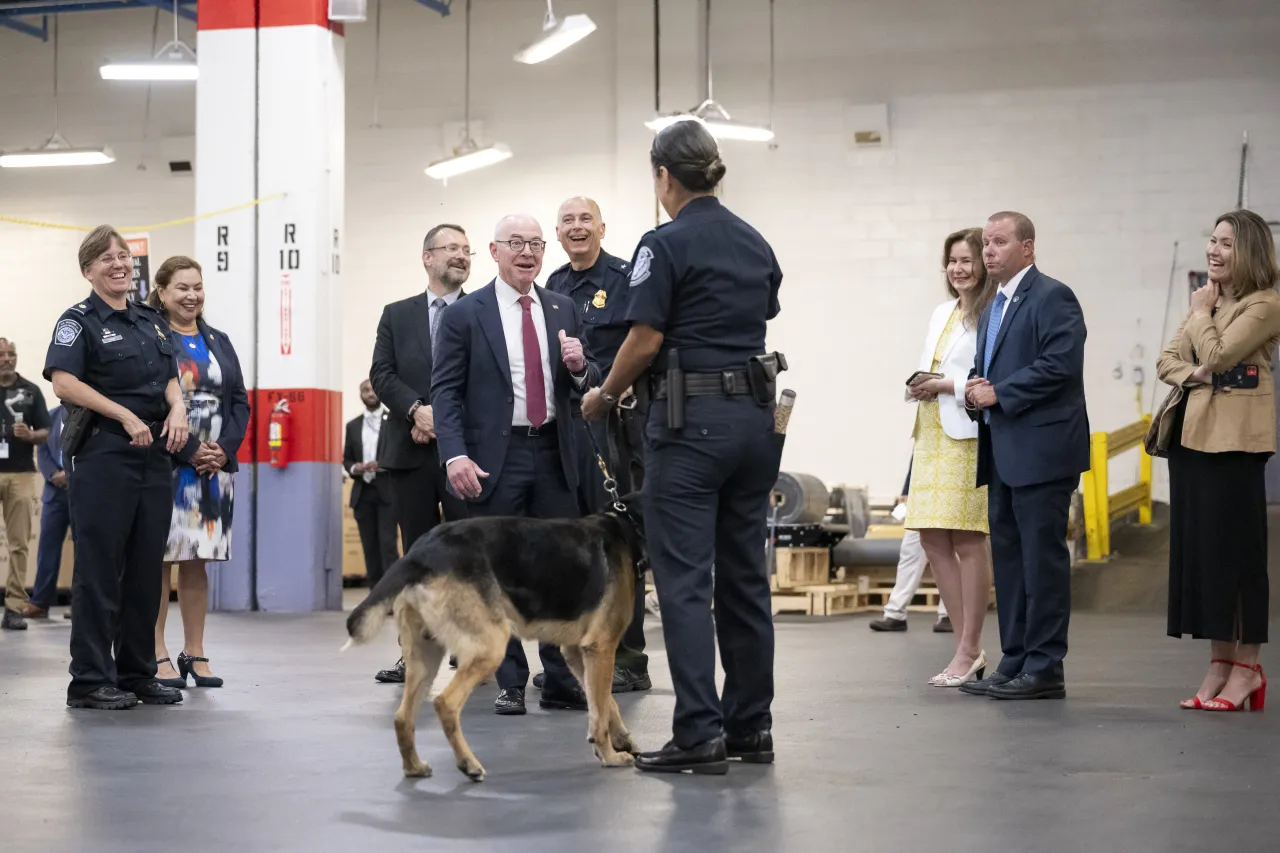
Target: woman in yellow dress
pixel 946 507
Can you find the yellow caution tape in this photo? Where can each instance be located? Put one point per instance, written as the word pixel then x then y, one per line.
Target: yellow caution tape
pixel 35 223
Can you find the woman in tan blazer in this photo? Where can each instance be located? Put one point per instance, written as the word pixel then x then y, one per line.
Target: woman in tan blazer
pixel 1224 430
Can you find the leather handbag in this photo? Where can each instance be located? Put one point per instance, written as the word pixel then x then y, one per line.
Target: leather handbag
pixel 1160 435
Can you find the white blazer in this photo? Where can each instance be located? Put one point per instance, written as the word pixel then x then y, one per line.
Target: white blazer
pixel 955 365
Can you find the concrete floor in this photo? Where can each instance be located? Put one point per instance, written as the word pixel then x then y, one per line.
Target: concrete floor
pixel 298 753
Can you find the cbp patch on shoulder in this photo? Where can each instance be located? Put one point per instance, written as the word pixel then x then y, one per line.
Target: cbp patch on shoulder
pixel 66 332
pixel 640 271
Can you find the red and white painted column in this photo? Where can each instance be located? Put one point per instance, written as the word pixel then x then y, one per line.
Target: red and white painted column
pixel 270 125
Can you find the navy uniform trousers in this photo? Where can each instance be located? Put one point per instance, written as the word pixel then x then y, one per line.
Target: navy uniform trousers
pixel 531 484
pixel 706 498
pixel 121 505
pixel 630 653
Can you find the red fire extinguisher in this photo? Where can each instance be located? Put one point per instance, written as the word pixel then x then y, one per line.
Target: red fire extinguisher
pixel 278 434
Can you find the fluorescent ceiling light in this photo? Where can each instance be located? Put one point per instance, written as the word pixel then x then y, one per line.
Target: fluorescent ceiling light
pixel 464 160
pixel 557 35
pixel 56 152
pixel 159 70
pixel 719 128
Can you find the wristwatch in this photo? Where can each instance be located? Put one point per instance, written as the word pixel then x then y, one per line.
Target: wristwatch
pixel 417 404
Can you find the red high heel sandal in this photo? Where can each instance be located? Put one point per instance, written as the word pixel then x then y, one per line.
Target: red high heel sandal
pixel 1255 700
pixel 1194 703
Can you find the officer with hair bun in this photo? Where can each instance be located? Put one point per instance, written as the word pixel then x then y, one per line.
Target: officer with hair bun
pixel 111 361
pixel 702 288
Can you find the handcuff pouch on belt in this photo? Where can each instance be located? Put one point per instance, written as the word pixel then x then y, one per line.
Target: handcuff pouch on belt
pixel 762 376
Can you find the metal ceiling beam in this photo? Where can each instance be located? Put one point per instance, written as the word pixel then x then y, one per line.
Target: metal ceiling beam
pixel 441 6
pixel 41 32
pixel 9 12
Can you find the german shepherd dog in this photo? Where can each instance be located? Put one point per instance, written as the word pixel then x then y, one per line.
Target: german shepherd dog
pixel 468 585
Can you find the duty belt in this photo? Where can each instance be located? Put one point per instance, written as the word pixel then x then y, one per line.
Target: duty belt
pixel 723 382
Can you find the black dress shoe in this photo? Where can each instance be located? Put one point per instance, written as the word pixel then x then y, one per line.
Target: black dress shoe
pixel 982 686
pixel 152 692
pixel 395 675
pixel 1028 686
pixel 943 626
pixel 539 680
pixel 562 699
pixel 108 698
pixel 510 702
pixel 625 680
pixel 13 621
pixel 707 758
pixel 887 624
pixel 754 748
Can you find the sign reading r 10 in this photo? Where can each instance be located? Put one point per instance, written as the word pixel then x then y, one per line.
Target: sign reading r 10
pixel 290 259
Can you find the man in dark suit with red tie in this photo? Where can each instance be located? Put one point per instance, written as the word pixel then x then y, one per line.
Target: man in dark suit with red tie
pixel 507 356
pixel 401 375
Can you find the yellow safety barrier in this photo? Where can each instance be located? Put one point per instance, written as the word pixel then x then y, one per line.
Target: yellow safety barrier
pixel 1101 507
pixel 35 223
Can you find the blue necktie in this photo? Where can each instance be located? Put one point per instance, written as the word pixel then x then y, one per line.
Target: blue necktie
pixel 993 331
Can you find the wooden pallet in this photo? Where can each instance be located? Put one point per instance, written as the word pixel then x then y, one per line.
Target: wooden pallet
pixel 924 601
pixel 801 567
pixel 826 600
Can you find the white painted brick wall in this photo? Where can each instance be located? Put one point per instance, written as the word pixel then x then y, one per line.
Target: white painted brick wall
pixel 1117 140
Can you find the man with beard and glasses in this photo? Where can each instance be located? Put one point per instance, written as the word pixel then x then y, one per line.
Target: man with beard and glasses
pixel 599 285
pixel 403 356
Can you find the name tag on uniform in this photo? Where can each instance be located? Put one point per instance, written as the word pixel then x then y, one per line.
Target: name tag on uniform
pixel 4 449
pixel 110 337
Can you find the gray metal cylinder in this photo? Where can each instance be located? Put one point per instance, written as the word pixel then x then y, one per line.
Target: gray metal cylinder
pixel 800 498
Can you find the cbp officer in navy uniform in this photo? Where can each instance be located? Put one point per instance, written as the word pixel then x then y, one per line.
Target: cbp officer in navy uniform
pixel 114 357
pixel 597 282
pixel 702 288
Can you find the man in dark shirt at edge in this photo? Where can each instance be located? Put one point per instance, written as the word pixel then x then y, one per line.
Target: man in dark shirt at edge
pixel 24 423
pixel 599 285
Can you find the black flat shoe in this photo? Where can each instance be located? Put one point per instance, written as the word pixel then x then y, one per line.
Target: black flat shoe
pixel 943 626
pixel 626 681
pixel 983 685
pixel 754 748
pixel 181 681
pixel 887 624
pixel 510 702
pixel 706 759
pixel 152 692
pixel 394 675
pixel 185 668
pixel 564 700
pixel 1028 686
pixel 108 698
pixel 13 621
pixel 539 680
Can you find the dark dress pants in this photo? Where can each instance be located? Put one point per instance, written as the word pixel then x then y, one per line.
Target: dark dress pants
pixel 531 484
pixel 1032 569
pixel 706 492
pixel 376 521
pixel 55 518
pixel 420 499
pixel 594 498
pixel 121 505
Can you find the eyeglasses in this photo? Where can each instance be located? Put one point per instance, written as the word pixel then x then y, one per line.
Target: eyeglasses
pixel 454 249
pixel 517 245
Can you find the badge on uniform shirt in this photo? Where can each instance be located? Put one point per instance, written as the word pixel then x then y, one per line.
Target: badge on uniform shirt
pixel 158 332
pixel 599 299
pixel 641 270
pixel 110 337
pixel 66 332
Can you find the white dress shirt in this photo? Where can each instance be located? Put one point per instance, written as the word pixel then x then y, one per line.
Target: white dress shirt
pixel 1011 286
pixel 513 330
pixel 369 439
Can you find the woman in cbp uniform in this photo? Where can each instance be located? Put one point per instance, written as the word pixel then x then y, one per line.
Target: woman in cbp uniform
pixel 702 288
pixel 114 357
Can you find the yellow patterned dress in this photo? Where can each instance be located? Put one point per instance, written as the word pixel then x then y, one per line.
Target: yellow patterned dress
pixel 943 469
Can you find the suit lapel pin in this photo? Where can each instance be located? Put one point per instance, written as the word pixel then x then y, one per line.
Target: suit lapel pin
pixel 1016 298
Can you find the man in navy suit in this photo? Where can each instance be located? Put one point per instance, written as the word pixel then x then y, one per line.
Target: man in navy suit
pixel 506 358
pixel 55 519
pixel 1027 395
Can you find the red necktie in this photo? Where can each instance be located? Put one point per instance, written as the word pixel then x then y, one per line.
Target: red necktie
pixel 535 389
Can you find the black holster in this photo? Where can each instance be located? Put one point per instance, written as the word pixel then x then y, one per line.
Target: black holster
pixel 75 428
pixel 762 375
